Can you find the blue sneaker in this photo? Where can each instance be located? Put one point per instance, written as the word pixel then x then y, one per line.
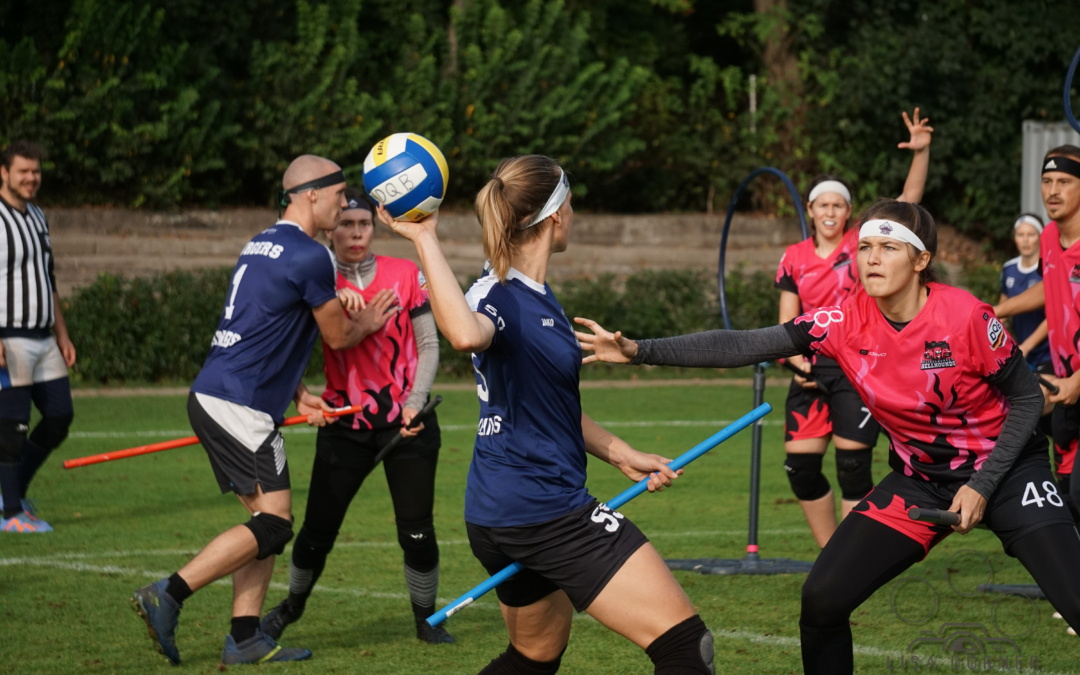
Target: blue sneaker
pixel 161 614
pixel 23 523
pixel 29 508
pixel 260 649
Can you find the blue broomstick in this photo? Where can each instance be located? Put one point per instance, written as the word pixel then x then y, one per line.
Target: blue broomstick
pixel 623 497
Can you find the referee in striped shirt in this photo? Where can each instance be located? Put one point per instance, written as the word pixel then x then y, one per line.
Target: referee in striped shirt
pixel 35 350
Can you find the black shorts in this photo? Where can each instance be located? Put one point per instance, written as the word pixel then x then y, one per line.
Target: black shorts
pixel 339 445
pixel 1026 499
pixel 236 466
pixel 577 553
pixel 810 414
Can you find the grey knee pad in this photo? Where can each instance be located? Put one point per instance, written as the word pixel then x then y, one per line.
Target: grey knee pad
pixel 50 432
pixel 853 473
pixel 705 647
pixel 804 474
pixel 271 532
pixel 12 440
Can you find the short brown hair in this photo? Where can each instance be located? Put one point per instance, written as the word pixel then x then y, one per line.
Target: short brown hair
pixel 21 148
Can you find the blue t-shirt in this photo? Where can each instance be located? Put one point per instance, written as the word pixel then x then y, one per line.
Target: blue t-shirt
pixel 1015 279
pixel 529 459
pixel 267 330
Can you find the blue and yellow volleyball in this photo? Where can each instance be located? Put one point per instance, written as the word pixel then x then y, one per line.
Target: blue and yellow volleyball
pixel 407 174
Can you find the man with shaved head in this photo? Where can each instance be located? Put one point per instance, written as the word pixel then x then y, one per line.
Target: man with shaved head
pixel 282 293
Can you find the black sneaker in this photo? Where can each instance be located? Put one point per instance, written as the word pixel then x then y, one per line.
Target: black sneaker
pixel 433 635
pixel 275 621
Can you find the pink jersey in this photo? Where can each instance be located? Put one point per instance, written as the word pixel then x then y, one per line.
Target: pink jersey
pixel 1061 283
pixel 926 384
pixel 379 372
pixel 820 282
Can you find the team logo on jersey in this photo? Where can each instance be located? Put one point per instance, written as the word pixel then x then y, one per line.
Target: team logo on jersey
pixel 937 354
pixel 1074 276
pixel 546 322
pixel 995 333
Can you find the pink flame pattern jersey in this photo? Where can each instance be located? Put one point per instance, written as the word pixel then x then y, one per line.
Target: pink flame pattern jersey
pixel 925 384
pixel 1061 284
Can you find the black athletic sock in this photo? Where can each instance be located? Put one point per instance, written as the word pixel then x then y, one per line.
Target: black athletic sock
pixel 9 485
pixel 685 649
pixel 513 662
pixel 33 457
pixel 179 589
pixel 244 628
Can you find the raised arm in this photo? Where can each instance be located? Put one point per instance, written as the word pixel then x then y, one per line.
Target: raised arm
pixel 467 331
pixel 921 134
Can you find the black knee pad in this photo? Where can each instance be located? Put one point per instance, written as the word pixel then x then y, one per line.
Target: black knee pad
pixel 271 533
pixel 12 440
pixel 50 432
pixel 853 473
pixel 417 540
pixel 686 647
pixel 804 472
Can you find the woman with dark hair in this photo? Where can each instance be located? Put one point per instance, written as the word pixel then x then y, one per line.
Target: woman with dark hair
pixel 960 406
pixel 525 499
pixel 819 272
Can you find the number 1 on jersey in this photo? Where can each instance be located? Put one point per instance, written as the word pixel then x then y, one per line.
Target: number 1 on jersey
pixel 235 287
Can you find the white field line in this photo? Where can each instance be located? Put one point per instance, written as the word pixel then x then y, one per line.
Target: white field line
pixel 72 562
pixel 303 429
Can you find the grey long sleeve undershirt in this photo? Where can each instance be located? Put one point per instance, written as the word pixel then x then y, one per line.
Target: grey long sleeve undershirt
pixel 729 349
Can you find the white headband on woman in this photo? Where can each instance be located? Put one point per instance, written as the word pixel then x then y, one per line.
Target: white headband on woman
pixel 892 230
pixel 554 201
pixel 1030 220
pixel 830 186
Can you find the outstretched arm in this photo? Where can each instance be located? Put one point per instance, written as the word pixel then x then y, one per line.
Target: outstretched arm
pixel 921 134
pixel 711 349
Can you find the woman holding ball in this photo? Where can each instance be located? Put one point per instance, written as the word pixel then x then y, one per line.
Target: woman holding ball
pixel 818 272
pixel 960 406
pixel 525 499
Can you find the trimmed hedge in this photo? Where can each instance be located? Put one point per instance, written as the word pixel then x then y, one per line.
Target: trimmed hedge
pixel 158 329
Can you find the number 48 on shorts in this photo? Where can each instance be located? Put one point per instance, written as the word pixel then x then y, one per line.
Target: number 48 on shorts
pixel 1049 494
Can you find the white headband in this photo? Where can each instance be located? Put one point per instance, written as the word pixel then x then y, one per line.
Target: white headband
pixel 1030 220
pixel 830 186
pixel 892 230
pixel 554 201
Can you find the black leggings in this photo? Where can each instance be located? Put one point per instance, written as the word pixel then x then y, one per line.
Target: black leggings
pixel 864 555
pixel 412 489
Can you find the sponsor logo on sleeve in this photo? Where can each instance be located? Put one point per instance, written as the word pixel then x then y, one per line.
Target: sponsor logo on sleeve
pixel 995 333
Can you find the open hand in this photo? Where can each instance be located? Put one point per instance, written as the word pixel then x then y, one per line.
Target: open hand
pixel 920 131
pixel 408 229
pixel 605 346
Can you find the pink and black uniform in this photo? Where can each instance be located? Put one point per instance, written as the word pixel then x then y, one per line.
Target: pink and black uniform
pixel 960 406
pixel 379 373
pixel 1061 285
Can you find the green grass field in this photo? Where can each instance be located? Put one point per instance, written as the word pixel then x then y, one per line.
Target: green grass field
pixel 122 524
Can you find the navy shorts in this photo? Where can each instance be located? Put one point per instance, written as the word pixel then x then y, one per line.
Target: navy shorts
pixel 810 414
pixel 239 466
pixel 578 553
pixel 1026 499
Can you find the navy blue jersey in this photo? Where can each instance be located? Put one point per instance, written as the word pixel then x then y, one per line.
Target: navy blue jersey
pixel 1015 279
pixel 529 459
pixel 267 330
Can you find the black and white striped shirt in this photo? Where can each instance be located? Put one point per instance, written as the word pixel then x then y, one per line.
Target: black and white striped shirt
pixel 26 290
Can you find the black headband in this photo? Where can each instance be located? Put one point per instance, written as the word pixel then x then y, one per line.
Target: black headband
pixel 326 181
pixel 1063 164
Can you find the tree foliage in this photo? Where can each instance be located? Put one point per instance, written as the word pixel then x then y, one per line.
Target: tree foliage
pixel 646 102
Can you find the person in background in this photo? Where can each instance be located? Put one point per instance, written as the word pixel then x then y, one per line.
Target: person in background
pixel 390 373
pixel 35 348
pixel 818 272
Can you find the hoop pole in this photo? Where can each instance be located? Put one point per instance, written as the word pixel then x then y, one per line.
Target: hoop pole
pixel 182 442
pixel 1066 98
pixel 614 503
